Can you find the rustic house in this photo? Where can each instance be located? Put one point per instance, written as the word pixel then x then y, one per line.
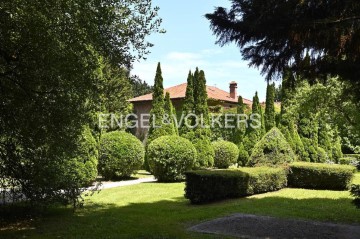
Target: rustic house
pixel 216 96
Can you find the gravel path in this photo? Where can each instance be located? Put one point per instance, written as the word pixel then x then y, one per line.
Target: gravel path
pixel 106 185
pixel 252 226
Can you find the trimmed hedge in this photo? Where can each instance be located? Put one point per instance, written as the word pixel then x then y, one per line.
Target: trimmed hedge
pixel 356 156
pixel 226 154
pixel 210 185
pixel 345 161
pixel 320 176
pixel 169 157
pixel 351 159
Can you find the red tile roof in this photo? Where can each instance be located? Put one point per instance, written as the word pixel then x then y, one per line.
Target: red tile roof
pixel 178 92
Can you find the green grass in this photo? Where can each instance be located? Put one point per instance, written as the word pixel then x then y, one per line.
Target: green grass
pixel 157 210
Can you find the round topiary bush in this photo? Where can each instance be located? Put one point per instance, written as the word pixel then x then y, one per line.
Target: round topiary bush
pixel 272 149
pixel 169 157
pixel 226 153
pixel 121 154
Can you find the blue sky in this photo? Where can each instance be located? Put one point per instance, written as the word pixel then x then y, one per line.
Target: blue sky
pixel 189 43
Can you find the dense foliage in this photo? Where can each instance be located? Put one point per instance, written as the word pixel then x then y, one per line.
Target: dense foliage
pixel 320 176
pixel 188 106
pixel 51 59
pixel 121 154
pixel 272 149
pixel 158 127
pixel 199 133
pixel 205 186
pixel 169 157
pixel 171 114
pixel 355 192
pixel 254 131
pixel 270 107
pixel 315 38
pixel 139 87
pixel 226 154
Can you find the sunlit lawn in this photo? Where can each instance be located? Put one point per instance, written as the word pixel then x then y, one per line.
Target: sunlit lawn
pixel 156 210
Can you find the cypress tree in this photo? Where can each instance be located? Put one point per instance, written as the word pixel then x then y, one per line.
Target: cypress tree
pixel 253 135
pixel 324 138
pixel 200 136
pixel 269 107
pixel 196 86
pixel 336 149
pixel 158 110
pixel 201 106
pixel 240 127
pixel 308 131
pixel 170 111
pixel 188 106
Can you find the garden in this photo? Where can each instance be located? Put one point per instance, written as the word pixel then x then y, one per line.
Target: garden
pixel 294 156
pixel 203 173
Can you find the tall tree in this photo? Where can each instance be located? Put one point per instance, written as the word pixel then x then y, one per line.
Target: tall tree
pixel 201 106
pixel 188 106
pixel 254 130
pixel 200 135
pixel 269 107
pixel 50 82
pixel 157 125
pixel 196 85
pixel 315 38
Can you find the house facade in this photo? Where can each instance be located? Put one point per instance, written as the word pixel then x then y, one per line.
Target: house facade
pixel 143 104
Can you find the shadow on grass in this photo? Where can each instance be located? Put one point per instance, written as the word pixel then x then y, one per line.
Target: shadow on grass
pixel 170 218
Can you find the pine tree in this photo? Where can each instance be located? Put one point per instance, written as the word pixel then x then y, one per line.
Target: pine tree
pixel 170 111
pixel 270 108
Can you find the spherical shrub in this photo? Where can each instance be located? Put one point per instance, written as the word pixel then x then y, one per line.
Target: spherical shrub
pixel 121 154
pixel 272 149
pixel 169 157
pixel 226 153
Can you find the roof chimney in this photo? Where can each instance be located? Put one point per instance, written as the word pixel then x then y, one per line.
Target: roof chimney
pixel 233 87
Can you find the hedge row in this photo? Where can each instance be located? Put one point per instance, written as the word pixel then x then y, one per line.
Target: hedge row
pixel 351 159
pixel 210 185
pixel 356 156
pixel 320 176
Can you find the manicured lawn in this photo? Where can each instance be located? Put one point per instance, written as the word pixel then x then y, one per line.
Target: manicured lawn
pixel 156 210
